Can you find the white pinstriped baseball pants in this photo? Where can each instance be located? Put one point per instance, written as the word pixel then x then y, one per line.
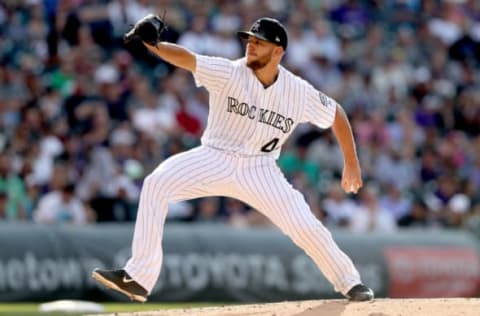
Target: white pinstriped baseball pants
pixel 257 181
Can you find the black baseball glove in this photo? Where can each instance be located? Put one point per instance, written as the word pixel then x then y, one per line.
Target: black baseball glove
pixel 149 30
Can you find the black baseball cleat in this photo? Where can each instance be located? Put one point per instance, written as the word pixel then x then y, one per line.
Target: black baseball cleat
pixel 360 293
pixel 120 281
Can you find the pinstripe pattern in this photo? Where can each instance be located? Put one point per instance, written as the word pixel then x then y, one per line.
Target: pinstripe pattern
pixel 244 117
pixel 318 112
pixel 254 180
pixel 290 97
pixel 188 175
pixel 267 190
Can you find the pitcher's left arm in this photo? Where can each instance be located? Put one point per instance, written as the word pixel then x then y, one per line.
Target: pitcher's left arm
pixel 352 173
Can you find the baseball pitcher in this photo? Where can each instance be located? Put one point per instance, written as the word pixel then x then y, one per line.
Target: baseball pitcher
pixel 255 104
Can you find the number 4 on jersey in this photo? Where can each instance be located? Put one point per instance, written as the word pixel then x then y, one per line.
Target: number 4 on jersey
pixel 270 146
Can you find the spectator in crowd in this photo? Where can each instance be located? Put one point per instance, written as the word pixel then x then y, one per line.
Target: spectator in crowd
pixel 13 191
pixel 324 151
pixel 208 210
pixel 370 216
pixel 438 200
pixel 237 214
pixel 298 167
pixel 61 207
pixel 418 216
pixel 338 207
pixel 197 38
pixel 3 205
pixel 458 207
pixel 395 202
pixel 180 211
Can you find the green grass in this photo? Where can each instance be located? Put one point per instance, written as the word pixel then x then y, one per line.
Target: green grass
pixel 31 309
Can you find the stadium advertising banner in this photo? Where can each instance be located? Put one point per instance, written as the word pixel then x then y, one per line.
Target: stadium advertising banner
pixel 220 263
pixel 432 271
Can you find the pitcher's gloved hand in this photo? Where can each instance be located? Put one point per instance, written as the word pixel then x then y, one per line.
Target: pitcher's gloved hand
pixel 149 30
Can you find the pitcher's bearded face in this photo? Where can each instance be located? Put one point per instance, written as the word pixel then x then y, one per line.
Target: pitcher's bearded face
pixel 258 63
pixel 258 53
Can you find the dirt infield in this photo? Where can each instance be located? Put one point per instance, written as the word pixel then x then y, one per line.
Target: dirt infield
pixel 378 307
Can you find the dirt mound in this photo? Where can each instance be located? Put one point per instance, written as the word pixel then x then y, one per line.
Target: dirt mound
pixel 378 307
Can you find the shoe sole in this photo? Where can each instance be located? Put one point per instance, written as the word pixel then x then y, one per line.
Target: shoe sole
pixel 98 277
pixel 361 299
pixel 364 297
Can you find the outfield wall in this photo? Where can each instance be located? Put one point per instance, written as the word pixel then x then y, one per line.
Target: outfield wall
pixel 221 263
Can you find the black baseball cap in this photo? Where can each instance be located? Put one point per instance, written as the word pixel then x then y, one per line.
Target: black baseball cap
pixel 269 30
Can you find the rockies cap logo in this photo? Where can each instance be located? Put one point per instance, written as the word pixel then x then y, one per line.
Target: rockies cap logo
pixel 255 27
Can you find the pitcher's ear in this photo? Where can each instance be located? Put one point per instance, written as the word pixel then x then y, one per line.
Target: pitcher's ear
pixel 279 50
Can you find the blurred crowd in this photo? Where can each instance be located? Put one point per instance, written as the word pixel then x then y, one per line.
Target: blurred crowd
pixel 83 118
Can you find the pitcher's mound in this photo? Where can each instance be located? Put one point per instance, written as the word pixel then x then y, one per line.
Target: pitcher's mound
pixel 378 307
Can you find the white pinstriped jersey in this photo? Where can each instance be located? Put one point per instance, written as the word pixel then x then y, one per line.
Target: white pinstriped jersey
pixel 248 119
